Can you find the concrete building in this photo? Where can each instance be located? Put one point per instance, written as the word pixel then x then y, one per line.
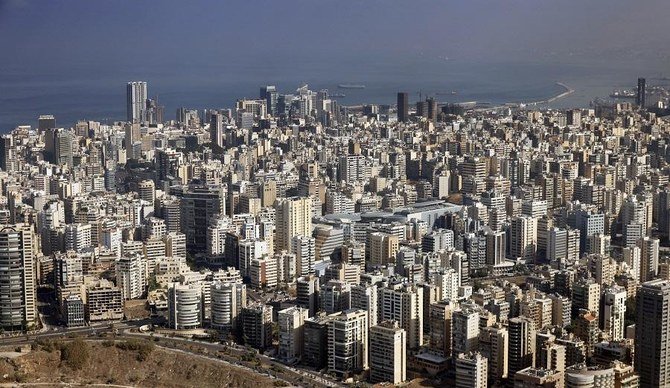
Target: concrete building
pixel 185 306
pixel 227 301
pixel 291 333
pixel 471 371
pixel 388 353
pixel 538 378
pixel 293 218
pixel 257 325
pixel 652 333
pixel 18 295
pixel 348 342
pixel 465 331
pixel 131 276
pixel 521 344
pixel 579 376
pixel 403 303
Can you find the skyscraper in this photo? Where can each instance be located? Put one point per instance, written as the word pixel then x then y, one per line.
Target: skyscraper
pixel 136 97
pixel 640 99
pixel 269 94
pixel 652 333
pixel 18 308
pixel 403 107
pixel 45 122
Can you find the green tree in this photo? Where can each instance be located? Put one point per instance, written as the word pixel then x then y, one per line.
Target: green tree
pixel 75 354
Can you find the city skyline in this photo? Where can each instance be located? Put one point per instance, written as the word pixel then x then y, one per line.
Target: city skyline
pixel 335 193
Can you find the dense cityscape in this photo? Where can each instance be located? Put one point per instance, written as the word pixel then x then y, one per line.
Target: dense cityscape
pixel 446 244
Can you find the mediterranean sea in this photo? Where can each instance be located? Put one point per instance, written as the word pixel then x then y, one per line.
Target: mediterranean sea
pixel 94 92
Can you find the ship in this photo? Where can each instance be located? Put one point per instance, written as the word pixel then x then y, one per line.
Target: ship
pixel 337 95
pixel 351 86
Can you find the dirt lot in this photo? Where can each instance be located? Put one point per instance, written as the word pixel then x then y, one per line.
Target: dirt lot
pixel 136 309
pixel 111 365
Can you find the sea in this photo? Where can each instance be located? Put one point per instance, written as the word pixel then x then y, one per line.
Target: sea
pixel 96 92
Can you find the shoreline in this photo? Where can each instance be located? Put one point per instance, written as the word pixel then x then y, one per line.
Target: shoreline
pixel 566 92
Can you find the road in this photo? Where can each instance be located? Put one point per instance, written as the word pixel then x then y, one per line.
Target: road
pixel 230 355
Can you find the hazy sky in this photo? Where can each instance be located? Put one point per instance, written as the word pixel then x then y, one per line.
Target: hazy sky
pixel 90 34
pixel 72 58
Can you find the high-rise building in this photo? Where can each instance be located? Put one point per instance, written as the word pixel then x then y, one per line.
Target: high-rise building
pixel 256 322
pixel 471 370
pixel 348 342
pixel 304 249
pixel 388 353
pixel 58 146
pixel 291 332
pixel 652 334
pixel 136 97
pixel 18 294
pixel 521 344
pixel 185 307
pixel 216 130
pixel 641 96
pixel 269 94
pixel 586 296
pixel 495 248
pixel 403 107
pixel 382 247
pixel 199 207
pixel 293 218
pixel 523 238
pixel 335 296
pixel 365 297
pixel 613 307
pixel 307 288
pixel 131 272
pixel 494 345
pixel 227 301
pixel 465 331
pixel 403 303
pixel 45 122
pixel 649 251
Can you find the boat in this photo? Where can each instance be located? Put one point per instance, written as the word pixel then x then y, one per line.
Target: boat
pixel 351 86
pixel 337 95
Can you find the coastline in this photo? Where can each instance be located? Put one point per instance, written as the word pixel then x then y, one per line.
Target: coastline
pixel 566 92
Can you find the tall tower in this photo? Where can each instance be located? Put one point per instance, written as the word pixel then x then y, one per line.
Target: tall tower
pixel 403 107
pixel 294 218
pixel 641 93
pixel 136 97
pixel 652 334
pixel 18 308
